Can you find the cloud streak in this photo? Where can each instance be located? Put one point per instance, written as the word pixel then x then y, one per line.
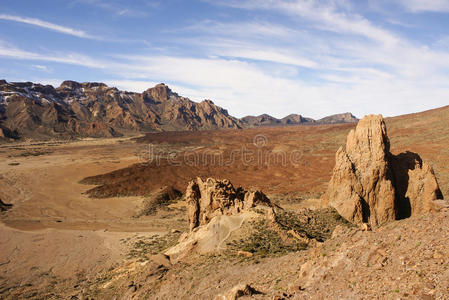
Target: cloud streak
pixel 417 6
pixel 9 51
pixel 325 15
pixel 47 25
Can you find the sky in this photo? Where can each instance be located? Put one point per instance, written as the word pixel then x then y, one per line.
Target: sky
pixel 314 58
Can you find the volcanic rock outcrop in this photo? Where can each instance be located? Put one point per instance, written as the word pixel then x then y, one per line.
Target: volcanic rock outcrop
pixel 371 185
pixel 210 198
pixel 215 211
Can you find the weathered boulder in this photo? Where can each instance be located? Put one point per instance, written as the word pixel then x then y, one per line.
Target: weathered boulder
pixel 370 185
pixel 210 198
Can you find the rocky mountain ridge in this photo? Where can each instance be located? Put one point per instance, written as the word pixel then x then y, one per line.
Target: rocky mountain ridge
pixel 92 109
pixel 296 119
pixel 96 110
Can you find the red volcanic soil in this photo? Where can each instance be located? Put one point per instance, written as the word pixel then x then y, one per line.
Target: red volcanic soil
pixel 294 161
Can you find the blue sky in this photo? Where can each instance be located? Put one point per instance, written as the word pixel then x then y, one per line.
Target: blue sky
pixel 279 57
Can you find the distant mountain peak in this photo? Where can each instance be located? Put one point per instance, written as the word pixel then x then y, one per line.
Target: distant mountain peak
pixel 73 85
pixel 70 84
pixel 346 117
pixel 160 92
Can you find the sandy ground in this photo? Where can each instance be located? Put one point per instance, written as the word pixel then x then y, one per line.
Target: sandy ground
pixel 54 232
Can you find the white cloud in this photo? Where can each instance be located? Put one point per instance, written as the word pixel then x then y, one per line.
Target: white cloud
pixel 47 25
pixel 10 51
pixel 272 56
pixel 416 6
pixel 250 41
pixel 255 51
pixel 41 68
pixel 324 14
pixel 241 29
pixel 50 81
pixel 245 88
pixel 138 86
pixel 134 8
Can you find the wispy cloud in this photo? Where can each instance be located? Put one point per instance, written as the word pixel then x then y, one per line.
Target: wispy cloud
pixel 139 8
pixel 250 50
pixel 41 68
pixel 416 6
pixel 248 40
pixel 254 29
pixel 246 88
pixel 327 15
pixel 10 51
pixel 47 25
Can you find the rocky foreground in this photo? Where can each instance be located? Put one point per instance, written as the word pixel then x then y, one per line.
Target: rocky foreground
pixel 407 259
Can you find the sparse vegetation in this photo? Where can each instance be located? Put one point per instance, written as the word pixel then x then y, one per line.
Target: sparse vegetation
pixel 265 241
pixel 274 239
pixel 313 224
pixel 31 152
pixel 153 245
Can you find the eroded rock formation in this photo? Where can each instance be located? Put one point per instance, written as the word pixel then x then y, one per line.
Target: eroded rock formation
pixel 210 198
pixel 371 185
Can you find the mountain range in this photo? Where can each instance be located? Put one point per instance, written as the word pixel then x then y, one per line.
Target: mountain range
pixel 295 119
pixel 91 109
